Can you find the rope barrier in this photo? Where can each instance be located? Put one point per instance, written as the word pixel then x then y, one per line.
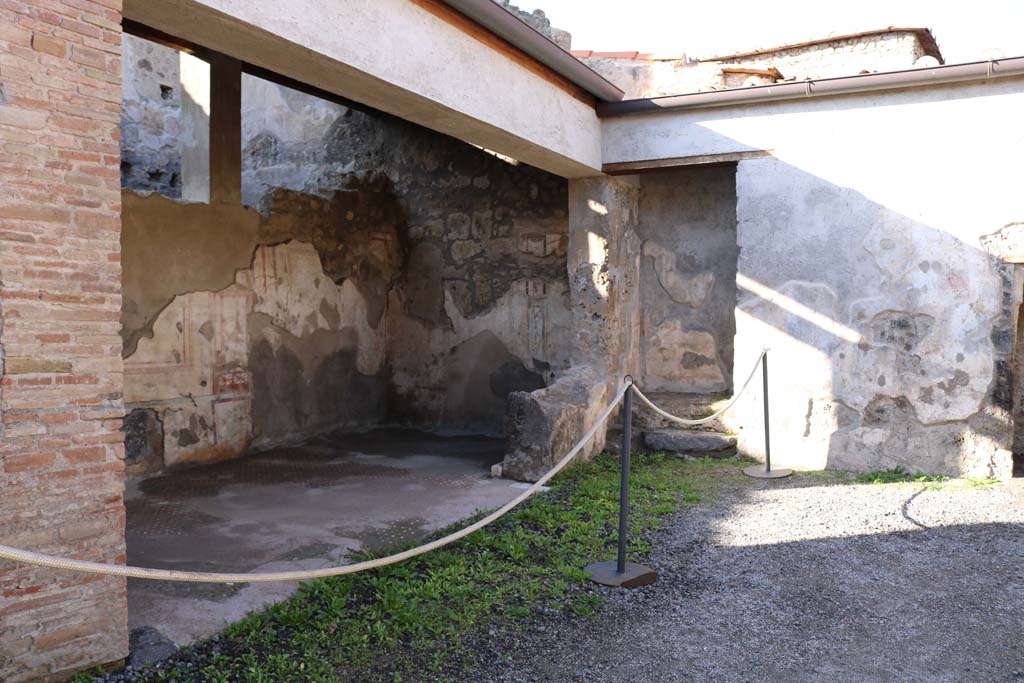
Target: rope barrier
pixel 55 562
pixel 703 420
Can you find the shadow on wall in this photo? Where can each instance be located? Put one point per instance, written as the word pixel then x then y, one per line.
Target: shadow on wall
pixel 891 342
pixel 411 279
pixel 891 336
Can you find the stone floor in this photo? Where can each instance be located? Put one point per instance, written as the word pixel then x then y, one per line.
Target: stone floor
pixel 298 507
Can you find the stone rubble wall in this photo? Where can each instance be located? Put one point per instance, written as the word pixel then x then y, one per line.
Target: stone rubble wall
pixel 150 118
pixel 538 20
pixel 61 449
pixel 867 54
pixel 653 77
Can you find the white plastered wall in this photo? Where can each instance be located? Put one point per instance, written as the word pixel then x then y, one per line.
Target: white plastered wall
pixel 863 266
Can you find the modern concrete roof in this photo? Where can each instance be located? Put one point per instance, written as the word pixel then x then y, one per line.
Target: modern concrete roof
pixel 508 26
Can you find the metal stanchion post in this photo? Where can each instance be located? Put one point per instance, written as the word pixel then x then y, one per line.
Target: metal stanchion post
pixel 620 572
pixel 756 470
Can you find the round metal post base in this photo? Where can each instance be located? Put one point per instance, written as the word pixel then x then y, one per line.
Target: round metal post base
pixel 758 472
pixel 606 574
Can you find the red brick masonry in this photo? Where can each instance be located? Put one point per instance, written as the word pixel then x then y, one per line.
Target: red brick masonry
pixel 61 451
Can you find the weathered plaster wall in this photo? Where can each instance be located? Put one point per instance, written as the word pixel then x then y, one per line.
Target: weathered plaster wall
pixel 433 286
pixel 872 262
pixel 244 330
pixel 869 268
pixel 482 308
pixel 687 222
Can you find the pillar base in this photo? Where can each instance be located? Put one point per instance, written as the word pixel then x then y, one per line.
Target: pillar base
pixel 605 573
pixel 758 472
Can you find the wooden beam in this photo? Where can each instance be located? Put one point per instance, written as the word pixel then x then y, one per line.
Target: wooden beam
pixel 649 165
pixel 134 28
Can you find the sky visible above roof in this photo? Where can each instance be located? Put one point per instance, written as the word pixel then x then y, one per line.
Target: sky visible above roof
pixel 965 31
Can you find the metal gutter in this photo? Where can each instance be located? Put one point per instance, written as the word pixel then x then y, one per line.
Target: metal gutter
pixel 504 24
pixel 823 87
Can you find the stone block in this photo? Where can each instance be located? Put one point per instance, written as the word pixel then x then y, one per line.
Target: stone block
pixel 544 425
pixel 687 441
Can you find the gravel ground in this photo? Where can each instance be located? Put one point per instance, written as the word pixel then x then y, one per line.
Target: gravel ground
pixel 812 578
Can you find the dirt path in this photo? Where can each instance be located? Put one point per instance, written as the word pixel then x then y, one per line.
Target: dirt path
pixel 808 579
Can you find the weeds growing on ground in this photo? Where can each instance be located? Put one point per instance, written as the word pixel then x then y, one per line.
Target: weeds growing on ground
pixel 430 613
pixel 899 475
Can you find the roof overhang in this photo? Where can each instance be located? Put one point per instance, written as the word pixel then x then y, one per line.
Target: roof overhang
pixel 506 25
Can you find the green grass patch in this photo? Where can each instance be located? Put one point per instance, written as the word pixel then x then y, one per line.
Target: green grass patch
pixel 428 614
pixel 899 475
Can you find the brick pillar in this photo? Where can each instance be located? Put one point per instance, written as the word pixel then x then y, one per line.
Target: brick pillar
pixel 61 449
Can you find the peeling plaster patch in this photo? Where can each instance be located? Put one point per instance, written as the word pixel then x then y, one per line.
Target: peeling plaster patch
pixel 689 291
pixel 884 409
pixel 328 312
pixel 290 287
pixel 901 329
pixel 186 438
pixel 959 379
pixel 143 442
pixel 683 361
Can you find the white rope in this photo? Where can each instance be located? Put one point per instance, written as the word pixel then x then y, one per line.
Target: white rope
pixel 709 418
pixel 54 562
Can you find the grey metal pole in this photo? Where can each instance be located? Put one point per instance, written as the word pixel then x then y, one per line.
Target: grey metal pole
pixel 627 442
pixel 766 472
pixel 767 434
pixel 618 572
